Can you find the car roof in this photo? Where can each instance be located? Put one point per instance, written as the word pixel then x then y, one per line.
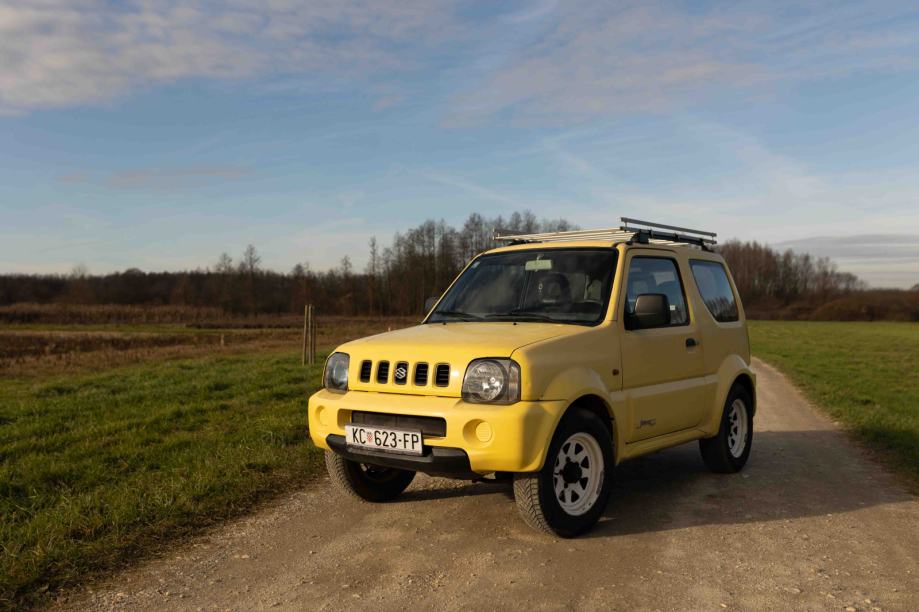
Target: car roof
pixel 689 250
pixel 631 232
pixel 574 244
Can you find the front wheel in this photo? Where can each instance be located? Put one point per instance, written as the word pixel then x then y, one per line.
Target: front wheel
pixel 568 495
pixel 727 452
pixel 372 483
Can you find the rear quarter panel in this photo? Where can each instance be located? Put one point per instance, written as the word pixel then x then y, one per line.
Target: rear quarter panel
pixel 726 345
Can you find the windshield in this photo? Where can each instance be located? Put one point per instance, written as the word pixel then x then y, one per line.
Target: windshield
pixel 555 285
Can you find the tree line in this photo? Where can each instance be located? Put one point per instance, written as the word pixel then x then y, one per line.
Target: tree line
pixel 397 279
pixel 761 272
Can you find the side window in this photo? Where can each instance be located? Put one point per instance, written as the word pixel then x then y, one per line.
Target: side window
pixel 657 275
pixel 713 284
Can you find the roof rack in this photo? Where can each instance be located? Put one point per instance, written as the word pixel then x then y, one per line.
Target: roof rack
pixel 645 233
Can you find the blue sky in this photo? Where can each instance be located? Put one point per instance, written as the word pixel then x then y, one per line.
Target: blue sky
pixel 158 134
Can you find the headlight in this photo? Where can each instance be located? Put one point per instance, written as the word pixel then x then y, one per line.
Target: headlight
pixel 335 375
pixel 492 381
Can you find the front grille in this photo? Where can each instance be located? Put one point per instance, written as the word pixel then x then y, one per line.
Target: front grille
pixel 404 371
pixel 400 374
pixel 429 426
pixel 383 372
pixel 366 366
pixel 442 375
pixel 421 374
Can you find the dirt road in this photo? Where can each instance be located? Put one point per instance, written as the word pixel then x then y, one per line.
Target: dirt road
pixel 812 523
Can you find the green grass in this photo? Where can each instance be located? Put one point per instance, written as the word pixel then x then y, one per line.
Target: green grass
pixel 97 468
pixel 865 375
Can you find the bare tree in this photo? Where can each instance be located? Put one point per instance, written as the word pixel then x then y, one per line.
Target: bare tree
pixel 250 260
pixel 346 267
pixel 224 264
pixel 372 270
pixel 79 271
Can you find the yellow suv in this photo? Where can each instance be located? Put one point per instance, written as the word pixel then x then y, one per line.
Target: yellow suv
pixel 548 361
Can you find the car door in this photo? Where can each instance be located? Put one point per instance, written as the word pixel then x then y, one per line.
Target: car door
pixel 662 367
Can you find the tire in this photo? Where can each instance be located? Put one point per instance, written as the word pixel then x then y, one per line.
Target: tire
pixel 371 483
pixel 728 452
pixel 556 499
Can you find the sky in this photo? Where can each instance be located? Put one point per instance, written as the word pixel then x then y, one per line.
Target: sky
pixel 158 134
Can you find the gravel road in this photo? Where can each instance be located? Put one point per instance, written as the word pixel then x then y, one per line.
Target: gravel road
pixel 812 523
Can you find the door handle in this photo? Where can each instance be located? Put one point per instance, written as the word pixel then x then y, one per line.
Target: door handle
pixel 691 342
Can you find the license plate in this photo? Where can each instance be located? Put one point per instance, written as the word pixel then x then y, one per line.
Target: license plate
pixel 402 441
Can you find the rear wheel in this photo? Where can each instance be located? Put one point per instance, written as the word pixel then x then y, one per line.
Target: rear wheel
pixel 568 495
pixel 729 450
pixel 372 483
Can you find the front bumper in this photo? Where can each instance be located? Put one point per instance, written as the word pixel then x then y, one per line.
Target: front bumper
pixel 437 460
pixel 493 438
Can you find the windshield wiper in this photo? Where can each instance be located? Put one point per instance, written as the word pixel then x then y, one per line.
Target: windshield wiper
pixel 521 314
pixel 458 314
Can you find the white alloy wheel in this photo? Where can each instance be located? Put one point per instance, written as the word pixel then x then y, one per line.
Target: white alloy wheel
pixel 577 475
pixel 738 425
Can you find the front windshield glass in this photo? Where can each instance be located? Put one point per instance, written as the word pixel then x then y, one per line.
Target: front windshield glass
pixel 554 285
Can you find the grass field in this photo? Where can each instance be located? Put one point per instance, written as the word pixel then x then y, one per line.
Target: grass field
pixel 98 467
pixel 104 462
pixel 116 438
pixel 865 375
pixel 37 350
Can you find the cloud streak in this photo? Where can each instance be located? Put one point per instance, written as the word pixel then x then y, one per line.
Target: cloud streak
pixel 57 53
pixel 159 178
pixel 480 191
pixel 602 59
pixel 884 260
pixel 170 178
pixel 556 62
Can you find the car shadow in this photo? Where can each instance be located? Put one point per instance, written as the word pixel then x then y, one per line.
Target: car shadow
pixel 790 474
pixel 457 488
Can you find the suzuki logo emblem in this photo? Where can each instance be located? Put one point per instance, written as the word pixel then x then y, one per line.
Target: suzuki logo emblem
pixel 401 373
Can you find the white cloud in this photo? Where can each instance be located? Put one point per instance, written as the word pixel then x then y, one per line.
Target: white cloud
pixel 161 178
pixel 884 260
pixel 171 178
pixel 57 53
pixel 480 191
pixel 602 59
pixel 551 61
pixel 756 193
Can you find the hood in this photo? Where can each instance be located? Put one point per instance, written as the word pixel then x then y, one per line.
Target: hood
pixel 451 347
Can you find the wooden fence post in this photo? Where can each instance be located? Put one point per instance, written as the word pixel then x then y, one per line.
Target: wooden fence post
pixel 310 325
pixel 306 332
pixel 314 323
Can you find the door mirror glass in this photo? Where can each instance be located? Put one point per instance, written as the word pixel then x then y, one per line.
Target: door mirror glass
pixel 651 310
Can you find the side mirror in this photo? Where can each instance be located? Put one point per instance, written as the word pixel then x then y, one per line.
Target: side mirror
pixel 430 303
pixel 651 310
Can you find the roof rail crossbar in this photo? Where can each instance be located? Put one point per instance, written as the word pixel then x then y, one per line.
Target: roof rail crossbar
pixel 626 222
pixel 648 233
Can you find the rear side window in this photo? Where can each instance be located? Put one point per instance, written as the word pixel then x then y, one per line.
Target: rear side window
pixel 713 284
pixel 657 275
